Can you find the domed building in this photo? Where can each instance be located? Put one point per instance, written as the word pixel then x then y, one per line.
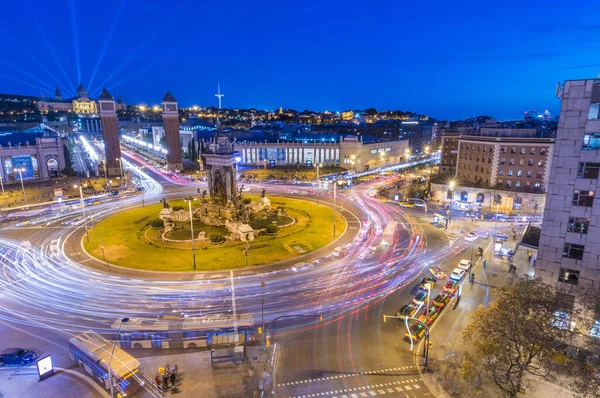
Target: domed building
pixel 81 104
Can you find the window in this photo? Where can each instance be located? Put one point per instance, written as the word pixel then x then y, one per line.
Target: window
pixel 500 172
pixel 508 184
pixel 595 331
pixel 529 174
pixel 521 162
pixel 593 113
pixel 502 161
pixel 538 174
pixel 478 148
pixel 510 172
pixel 561 320
pixel 541 163
pixel 542 151
pixel 503 149
pixel 588 170
pixel 519 173
pixel 537 185
pixel 522 151
pixel 591 141
pixel 532 151
pixel 530 162
pixel 571 250
pixel 513 150
pixel 511 161
pixel 568 276
pixel 579 225
pixel 518 184
pixel 583 198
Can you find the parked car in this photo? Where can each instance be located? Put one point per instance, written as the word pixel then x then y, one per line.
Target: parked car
pixel 458 274
pixel 419 205
pixel 408 205
pixel 299 267
pixel 437 272
pixel 427 281
pixel 465 264
pixel 17 356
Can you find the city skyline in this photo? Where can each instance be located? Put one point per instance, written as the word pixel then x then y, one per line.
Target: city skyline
pixel 447 61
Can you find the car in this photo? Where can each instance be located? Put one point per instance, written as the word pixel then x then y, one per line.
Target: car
pixel 299 267
pixel 420 205
pixel 338 251
pixel 465 264
pixel 408 205
pixel 54 246
pixel 437 273
pixel 458 274
pixel 97 202
pixel 17 356
pixel 427 282
pixel 420 298
pixel 471 236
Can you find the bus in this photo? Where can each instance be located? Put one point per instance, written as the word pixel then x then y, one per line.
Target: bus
pixel 193 332
pixel 93 352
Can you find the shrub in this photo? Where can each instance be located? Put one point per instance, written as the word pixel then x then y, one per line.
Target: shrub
pixel 157 223
pixel 247 201
pixel 217 238
pixel 177 208
pixel 272 229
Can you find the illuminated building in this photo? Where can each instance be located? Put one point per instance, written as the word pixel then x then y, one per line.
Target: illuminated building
pixel 81 104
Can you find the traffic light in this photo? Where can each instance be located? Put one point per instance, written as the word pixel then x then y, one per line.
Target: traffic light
pixel 259 330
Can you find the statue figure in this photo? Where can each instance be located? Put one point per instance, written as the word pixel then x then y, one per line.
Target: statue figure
pixel 263 193
pixel 165 204
pixel 203 198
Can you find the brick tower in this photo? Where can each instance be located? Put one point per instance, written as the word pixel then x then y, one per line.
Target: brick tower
pixel 110 133
pixel 170 116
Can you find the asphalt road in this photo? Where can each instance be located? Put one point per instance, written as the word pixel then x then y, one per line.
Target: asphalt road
pixel 49 294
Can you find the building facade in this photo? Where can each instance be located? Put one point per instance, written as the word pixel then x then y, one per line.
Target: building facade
pixel 449 152
pixel 505 162
pixel 39 156
pixel 569 249
pixel 350 153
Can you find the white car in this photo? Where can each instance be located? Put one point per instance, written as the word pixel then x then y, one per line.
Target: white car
pixel 420 205
pixel 458 274
pixel 337 252
pixel 471 236
pixel 54 246
pixel 465 264
pixel 299 267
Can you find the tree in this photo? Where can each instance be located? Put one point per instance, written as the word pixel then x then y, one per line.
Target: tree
pixel 177 208
pixel 515 336
pixel 67 154
pixel 193 150
pixel 157 223
pixel 272 229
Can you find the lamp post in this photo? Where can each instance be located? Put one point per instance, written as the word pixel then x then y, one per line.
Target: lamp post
pixel 21 170
pixel 426 346
pixel 87 235
pixel 121 167
pixel 262 311
pixel 189 200
pixel 335 202
pixel 452 185
pixel 105 173
pixel 110 376
pixel 497 202
pixel 318 168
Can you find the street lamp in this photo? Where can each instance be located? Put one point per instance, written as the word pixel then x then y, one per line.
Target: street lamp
pixel 318 166
pixel 87 235
pixel 335 184
pixel 110 376
pixel 262 311
pixel 21 170
pixel 105 173
pixel 407 153
pixel 189 200
pixel 452 185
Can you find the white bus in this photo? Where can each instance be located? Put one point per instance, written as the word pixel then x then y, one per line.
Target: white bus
pixel 93 352
pixel 192 332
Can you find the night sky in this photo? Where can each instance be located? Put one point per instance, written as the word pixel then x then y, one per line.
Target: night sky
pixel 440 58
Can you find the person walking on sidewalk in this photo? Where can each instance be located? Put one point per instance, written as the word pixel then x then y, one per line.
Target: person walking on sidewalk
pixel 172 379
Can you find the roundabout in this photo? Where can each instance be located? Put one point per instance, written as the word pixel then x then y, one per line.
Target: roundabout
pixel 128 239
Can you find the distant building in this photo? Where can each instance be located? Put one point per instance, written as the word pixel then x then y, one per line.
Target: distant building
pixel 41 155
pixel 81 104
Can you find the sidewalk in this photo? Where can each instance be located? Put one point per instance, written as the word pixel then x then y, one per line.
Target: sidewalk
pixel 448 345
pixel 18 382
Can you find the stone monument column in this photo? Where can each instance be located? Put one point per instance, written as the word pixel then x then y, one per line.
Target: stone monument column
pixel 110 133
pixel 170 116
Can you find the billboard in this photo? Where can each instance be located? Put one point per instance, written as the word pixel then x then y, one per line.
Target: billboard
pixel 24 163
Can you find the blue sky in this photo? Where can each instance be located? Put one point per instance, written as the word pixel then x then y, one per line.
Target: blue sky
pixel 445 59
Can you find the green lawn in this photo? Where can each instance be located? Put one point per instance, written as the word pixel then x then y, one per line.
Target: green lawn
pixel 128 242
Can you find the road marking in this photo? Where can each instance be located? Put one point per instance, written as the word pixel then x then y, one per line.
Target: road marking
pixel 373 390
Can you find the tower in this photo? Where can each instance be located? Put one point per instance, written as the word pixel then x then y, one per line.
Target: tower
pixel 170 116
pixel 110 133
pixel 219 95
pixel 82 91
pixel 57 94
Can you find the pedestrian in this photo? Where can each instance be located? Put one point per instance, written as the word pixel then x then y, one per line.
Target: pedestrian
pixel 172 379
pixel 484 263
pixel 157 381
